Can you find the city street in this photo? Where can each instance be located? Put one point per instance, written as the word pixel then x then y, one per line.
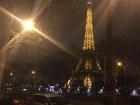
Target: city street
pixel 69 52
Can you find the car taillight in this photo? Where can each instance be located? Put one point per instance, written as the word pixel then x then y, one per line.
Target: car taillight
pixel 17 102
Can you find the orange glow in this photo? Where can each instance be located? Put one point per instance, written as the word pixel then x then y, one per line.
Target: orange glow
pixel 11 74
pixel 36 30
pixel 33 72
pixel 119 63
pixel 28 25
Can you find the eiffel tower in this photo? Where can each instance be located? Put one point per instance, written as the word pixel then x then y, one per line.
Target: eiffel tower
pixel 88 72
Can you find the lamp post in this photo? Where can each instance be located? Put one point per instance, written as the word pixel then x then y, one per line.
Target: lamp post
pixel 119 66
pixel 12 75
pixel 33 72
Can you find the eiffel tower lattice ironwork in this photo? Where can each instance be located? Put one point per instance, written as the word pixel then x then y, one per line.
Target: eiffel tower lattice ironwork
pixel 88 70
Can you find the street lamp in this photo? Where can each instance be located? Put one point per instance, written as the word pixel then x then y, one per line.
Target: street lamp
pixel 11 74
pixel 13 79
pixel 33 72
pixel 119 68
pixel 119 64
pixel 28 25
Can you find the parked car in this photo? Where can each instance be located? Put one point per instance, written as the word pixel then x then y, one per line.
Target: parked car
pixel 49 99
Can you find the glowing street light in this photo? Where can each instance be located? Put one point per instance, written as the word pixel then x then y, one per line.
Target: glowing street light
pixel 119 67
pixel 11 74
pixel 119 64
pixel 33 72
pixel 28 25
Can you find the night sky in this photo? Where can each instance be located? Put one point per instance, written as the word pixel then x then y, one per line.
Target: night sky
pixel 64 21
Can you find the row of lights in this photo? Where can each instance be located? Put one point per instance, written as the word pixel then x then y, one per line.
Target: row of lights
pixel 49 88
pixel 32 72
pixel 134 92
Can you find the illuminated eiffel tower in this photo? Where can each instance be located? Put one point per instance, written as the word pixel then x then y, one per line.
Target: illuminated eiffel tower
pixel 88 72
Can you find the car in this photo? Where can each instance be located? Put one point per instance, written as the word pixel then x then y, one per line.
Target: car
pixel 48 99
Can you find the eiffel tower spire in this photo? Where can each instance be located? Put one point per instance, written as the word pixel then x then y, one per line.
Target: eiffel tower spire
pixel 89 34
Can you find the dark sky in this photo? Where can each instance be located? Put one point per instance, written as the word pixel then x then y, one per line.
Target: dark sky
pixel 64 20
